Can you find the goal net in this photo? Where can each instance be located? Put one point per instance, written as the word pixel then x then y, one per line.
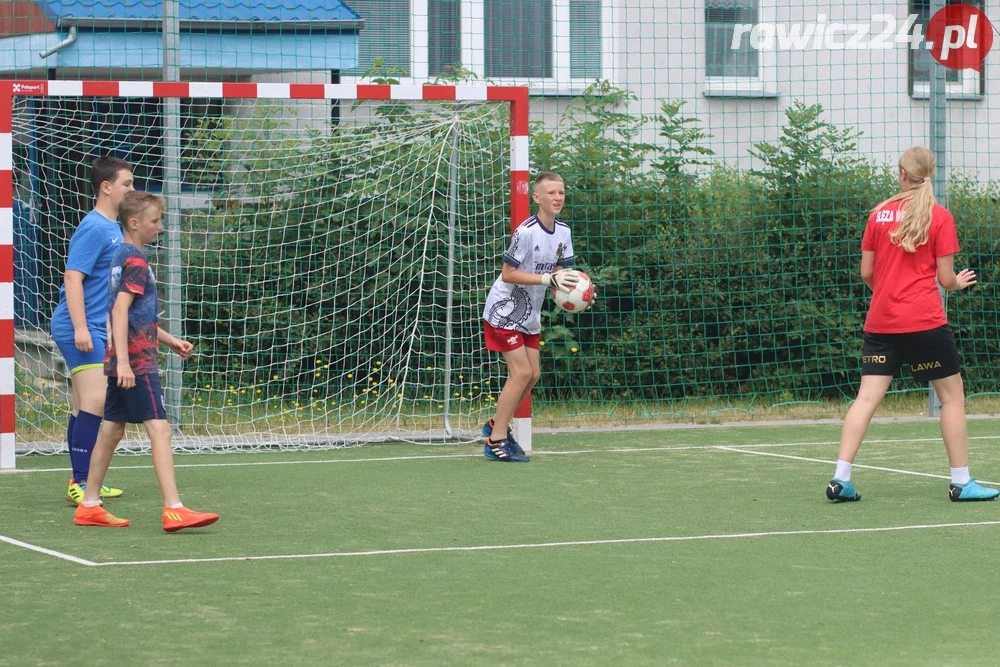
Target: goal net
pixel 327 249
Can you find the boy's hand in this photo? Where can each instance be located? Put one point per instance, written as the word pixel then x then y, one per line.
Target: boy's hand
pixel 181 347
pixel 126 378
pixel 83 341
pixel 563 280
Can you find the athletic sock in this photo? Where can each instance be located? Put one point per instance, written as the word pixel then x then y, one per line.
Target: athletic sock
pixel 960 475
pixel 84 439
pixel 843 472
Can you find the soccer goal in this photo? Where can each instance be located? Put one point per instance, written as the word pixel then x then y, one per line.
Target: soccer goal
pixel 327 248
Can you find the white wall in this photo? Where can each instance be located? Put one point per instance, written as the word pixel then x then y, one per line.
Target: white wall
pixel 662 57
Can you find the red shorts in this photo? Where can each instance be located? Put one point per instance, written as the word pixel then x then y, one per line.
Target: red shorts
pixel 505 340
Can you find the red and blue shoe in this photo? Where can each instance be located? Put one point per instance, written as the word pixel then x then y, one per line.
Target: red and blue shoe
pixel 488 431
pixel 505 450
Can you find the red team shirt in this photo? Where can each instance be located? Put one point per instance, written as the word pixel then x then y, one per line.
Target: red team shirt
pixel 905 298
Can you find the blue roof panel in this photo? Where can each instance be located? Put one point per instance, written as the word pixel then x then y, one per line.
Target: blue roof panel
pixel 201 10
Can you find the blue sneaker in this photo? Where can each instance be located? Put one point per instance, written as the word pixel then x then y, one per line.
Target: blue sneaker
pixel 488 431
pixel 504 451
pixel 840 491
pixel 971 491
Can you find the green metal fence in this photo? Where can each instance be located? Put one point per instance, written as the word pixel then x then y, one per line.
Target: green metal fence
pixel 720 159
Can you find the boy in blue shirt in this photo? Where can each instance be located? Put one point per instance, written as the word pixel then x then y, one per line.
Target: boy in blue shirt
pixel 78 322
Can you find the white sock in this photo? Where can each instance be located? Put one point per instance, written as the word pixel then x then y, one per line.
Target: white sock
pixel 960 475
pixel 843 472
pixel 177 506
pixel 91 503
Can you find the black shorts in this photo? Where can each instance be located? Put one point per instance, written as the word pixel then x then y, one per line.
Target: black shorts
pixel 932 354
pixel 142 402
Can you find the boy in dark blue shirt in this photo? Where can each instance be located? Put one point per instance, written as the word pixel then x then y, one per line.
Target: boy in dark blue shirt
pixel 134 394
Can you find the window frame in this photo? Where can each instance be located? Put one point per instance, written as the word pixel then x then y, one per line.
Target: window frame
pixel 472 48
pixel 762 85
pixel 971 85
pixel 458 4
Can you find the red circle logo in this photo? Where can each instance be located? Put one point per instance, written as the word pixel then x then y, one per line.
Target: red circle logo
pixel 960 37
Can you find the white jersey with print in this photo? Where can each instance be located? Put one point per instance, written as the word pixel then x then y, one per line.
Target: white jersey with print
pixel 533 249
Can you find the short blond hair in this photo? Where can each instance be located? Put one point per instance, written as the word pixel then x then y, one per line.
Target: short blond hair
pixel 548 176
pixel 135 202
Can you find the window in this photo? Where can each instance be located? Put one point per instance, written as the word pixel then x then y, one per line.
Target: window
pixel 385 35
pixel 960 83
pixel 721 19
pixel 558 42
pixel 518 39
pixel 585 39
pixel 444 35
pixel 736 70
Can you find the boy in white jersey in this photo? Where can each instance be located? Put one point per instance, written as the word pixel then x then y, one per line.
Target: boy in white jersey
pixel 539 250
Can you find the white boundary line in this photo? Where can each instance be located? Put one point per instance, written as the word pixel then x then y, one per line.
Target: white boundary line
pixel 47 552
pixel 540 545
pixel 549 545
pixel 856 465
pixel 610 450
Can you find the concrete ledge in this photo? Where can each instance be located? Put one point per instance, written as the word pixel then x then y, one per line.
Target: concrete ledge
pixel 38 357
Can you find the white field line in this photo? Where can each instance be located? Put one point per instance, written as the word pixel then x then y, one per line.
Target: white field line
pixel 856 465
pixel 419 457
pixel 543 544
pixel 47 552
pixel 549 545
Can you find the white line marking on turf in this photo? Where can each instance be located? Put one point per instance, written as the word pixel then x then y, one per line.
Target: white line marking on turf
pixel 856 465
pixel 612 450
pixel 47 552
pixel 549 545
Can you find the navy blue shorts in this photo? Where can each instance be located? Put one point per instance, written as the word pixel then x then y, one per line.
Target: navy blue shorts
pixel 142 402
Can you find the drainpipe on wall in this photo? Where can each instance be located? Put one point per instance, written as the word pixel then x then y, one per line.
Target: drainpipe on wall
pixel 61 45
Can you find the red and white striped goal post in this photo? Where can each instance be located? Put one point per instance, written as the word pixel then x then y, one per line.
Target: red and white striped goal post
pixel 515 96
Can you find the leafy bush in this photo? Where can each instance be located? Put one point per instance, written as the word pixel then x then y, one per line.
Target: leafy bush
pixel 713 281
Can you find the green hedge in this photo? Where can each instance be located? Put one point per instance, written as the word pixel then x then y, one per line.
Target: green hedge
pixel 713 281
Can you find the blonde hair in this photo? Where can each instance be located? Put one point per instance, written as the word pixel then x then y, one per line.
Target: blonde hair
pixel 918 164
pixel 135 203
pixel 547 176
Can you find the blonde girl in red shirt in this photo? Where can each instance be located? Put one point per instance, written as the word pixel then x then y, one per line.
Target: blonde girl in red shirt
pixel 909 245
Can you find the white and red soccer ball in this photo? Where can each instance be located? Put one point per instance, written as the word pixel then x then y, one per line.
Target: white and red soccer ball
pixel 577 299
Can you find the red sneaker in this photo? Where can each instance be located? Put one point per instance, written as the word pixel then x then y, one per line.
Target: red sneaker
pixel 182 517
pixel 97 516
